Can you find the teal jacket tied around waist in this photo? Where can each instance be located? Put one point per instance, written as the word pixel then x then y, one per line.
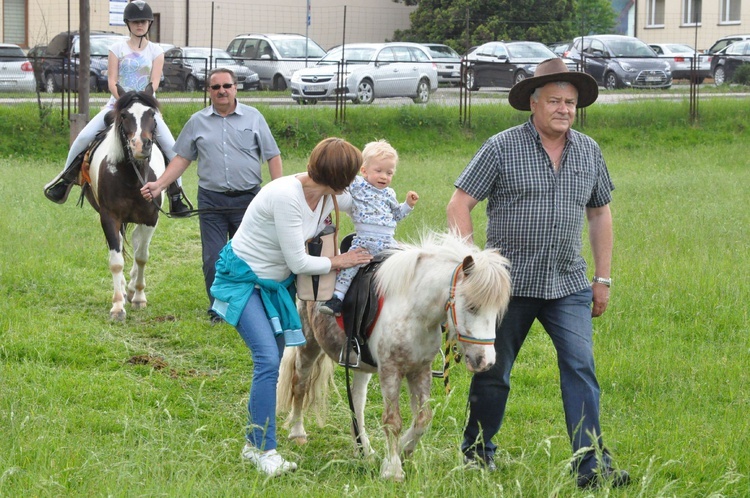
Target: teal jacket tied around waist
pixel 235 282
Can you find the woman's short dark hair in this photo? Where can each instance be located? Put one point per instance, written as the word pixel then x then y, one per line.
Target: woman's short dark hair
pixel 334 162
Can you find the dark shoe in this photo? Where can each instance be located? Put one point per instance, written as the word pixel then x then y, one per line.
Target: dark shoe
pixel 177 208
pixel 332 307
pixel 214 318
pixel 59 191
pixel 482 462
pixel 597 479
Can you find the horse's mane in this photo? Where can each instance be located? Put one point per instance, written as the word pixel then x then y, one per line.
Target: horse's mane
pixel 129 98
pixel 487 283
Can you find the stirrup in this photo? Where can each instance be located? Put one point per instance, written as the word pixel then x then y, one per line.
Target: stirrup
pixel 343 353
pixel 439 374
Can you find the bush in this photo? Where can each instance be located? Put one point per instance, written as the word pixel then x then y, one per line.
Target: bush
pixel 742 75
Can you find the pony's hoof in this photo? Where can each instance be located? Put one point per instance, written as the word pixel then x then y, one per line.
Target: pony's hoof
pixel 139 305
pixel 300 440
pixel 117 316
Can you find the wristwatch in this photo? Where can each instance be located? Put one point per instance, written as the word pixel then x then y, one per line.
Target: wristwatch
pixel 603 281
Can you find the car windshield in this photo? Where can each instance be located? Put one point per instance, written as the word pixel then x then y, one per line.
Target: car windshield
pixel 99 45
pixel 353 55
pixel 442 51
pixel 529 51
pixel 10 54
pixel 294 48
pixel 630 48
pixel 680 49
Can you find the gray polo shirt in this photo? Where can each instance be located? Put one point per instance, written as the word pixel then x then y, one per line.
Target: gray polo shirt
pixel 535 216
pixel 230 150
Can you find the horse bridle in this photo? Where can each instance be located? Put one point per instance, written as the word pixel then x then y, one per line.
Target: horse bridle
pixel 450 307
pixel 191 212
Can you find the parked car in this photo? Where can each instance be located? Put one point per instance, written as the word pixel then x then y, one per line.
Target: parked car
pixel 504 64
pixel 185 69
pixel 275 57
pixel 726 61
pixel 61 58
pixel 617 61
pixel 16 72
pixel 680 57
pixel 368 71
pixel 560 48
pixel 36 57
pixel 724 42
pixel 448 63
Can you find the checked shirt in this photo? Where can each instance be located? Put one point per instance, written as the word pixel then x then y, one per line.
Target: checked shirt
pixel 535 216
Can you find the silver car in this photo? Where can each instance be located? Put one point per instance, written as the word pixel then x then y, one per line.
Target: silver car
pixel 448 63
pixel 680 57
pixel 275 57
pixel 362 72
pixel 16 72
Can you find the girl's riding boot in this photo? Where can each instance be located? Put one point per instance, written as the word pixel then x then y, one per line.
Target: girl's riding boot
pixel 177 208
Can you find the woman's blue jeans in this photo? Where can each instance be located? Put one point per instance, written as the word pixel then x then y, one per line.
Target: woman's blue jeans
pixel 266 350
pixel 568 323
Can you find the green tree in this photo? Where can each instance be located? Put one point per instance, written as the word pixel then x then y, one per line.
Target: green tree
pixel 466 23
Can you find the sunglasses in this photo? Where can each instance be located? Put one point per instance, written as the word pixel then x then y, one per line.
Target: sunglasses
pixel 225 86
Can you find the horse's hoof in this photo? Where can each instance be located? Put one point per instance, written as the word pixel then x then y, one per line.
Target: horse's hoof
pixel 138 305
pixel 300 440
pixel 117 316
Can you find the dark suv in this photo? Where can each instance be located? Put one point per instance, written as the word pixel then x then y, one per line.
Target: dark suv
pixel 59 65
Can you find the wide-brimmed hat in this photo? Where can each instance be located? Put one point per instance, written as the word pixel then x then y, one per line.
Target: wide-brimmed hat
pixel 553 70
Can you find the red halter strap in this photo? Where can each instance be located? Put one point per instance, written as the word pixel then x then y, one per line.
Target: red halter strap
pixel 450 307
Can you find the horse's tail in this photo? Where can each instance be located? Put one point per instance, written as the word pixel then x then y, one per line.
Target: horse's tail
pixel 318 386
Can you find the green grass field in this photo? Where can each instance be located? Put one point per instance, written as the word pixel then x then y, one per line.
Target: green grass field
pixel 156 406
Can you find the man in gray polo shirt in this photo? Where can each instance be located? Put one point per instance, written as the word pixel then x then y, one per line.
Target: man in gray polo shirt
pixel 231 141
pixel 541 180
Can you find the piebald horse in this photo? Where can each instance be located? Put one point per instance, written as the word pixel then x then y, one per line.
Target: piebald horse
pixel 126 158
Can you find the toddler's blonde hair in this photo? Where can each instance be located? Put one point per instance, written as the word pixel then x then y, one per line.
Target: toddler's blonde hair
pixel 380 149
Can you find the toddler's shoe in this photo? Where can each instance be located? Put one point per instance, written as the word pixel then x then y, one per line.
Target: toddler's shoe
pixel 332 307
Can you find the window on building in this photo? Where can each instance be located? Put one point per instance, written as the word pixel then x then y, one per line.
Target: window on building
pixel 691 12
pixel 14 22
pixel 655 13
pixel 731 11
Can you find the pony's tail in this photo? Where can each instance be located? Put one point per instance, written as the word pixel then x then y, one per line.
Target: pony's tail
pixel 316 391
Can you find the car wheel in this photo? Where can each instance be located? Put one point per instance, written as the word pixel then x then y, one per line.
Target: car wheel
pixel 471 81
pixel 365 92
pixel 279 83
pixel 719 76
pixel 423 92
pixel 611 81
pixel 520 76
pixel 191 84
pixel 49 84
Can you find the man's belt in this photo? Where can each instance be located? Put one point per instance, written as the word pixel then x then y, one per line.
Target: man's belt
pixel 239 193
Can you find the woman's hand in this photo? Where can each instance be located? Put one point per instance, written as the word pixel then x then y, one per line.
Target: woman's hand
pixel 354 257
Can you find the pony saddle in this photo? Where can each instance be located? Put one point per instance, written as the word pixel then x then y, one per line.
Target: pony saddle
pixel 360 311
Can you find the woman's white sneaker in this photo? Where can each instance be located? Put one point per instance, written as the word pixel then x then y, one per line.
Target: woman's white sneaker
pixel 269 462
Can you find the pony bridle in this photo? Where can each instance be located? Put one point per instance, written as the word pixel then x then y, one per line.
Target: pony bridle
pixel 450 307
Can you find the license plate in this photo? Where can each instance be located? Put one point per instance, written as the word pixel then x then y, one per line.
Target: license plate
pixel 313 88
pixel 652 79
pixel 240 86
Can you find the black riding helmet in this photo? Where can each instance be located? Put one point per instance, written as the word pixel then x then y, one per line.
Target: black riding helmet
pixel 138 10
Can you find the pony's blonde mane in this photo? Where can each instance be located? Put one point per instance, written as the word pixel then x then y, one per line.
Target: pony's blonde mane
pixel 488 283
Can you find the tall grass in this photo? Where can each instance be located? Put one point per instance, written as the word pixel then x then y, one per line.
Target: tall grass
pixel 156 406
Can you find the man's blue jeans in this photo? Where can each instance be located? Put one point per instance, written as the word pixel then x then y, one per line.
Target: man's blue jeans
pixel 568 323
pixel 266 350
